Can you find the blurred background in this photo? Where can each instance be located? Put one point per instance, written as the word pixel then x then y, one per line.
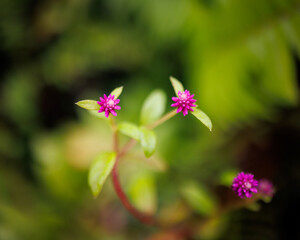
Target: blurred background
pixel 240 58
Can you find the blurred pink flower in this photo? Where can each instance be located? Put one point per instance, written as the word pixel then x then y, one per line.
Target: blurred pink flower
pixel 266 188
pixel 244 185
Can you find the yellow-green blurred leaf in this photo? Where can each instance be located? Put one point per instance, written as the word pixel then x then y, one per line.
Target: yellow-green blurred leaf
pixel 153 107
pixel 199 198
pixel 100 170
pixel 142 191
pixel 148 141
pixel 96 114
pixel 203 118
pixel 227 177
pixel 177 85
pixel 88 104
pixel 117 92
pixel 255 207
pixel 130 130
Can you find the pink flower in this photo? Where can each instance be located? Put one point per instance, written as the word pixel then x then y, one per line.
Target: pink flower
pixel 109 105
pixel 265 188
pixel 184 102
pixel 244 185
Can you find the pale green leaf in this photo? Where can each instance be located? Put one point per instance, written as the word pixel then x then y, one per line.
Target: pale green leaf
pixel 117 92
pixel 130 130
pixel 177 85
pixel 227 177
pixel 199 198
pixel 88 104
pixel 148 141
pixel 96 114
pixel 142 192
pixel 100 170
pixel 153 107
pixel 203 118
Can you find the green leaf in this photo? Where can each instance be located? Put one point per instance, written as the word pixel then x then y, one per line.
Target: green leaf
pixel 117 92
pixel 199 198
pixel 96 114
pixel 177 85
pixel 154 107
pixel 266 199
pixel 255 207
pixel 142 191
pixel 88 104
pixel 130 130
pixel 203 118
pixel 227 177
pixel 148 141
pixel 99 171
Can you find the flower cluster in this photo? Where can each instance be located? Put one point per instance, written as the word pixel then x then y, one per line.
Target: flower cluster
pixel 244 185
pixel 184 102
pixel 109 105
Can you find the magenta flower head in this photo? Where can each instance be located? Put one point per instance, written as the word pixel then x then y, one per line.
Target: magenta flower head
pixel 266 188
pixel 184 102
pixel 244 185
pixel 109 105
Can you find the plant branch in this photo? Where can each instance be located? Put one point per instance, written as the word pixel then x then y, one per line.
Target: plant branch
pixel 130 144
pixel 162 119
pixel 145 218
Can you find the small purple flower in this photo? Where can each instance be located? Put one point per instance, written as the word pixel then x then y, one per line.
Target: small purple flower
pixel 184 102
pixel 244 185
pixel 265 188
pixel 109 105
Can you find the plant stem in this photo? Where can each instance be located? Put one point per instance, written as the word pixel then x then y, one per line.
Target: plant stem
pixel 115 134
pixel 130 144
pixel 145 218
pixel 162 119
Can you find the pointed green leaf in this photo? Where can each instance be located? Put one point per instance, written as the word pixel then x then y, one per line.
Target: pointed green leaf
pixel 177 85
pixel 203 118
pixel 88 104
pixel 130 130
pixel 99 171
pixel 148 141
pixel 154 107
pixel 199 198
pixel 142 192
pixel 117 92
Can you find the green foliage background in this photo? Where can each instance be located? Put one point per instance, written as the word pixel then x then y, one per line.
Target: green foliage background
pixel 240 58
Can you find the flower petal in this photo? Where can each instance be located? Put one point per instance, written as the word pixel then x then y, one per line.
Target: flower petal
pixel 113 112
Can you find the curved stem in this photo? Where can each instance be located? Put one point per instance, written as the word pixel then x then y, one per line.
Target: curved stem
pixel 145 218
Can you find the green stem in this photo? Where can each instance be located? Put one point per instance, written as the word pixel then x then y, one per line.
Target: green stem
pixel 115 134
pixel 162 119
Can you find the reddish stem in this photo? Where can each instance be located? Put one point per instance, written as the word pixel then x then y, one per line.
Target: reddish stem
pixel 145 218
